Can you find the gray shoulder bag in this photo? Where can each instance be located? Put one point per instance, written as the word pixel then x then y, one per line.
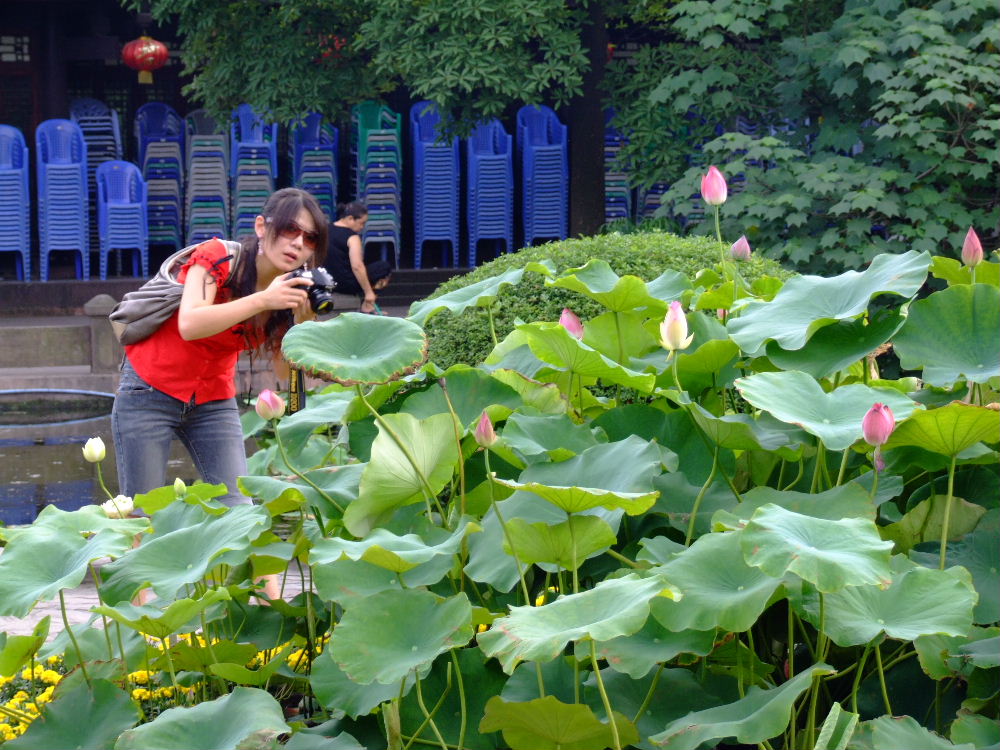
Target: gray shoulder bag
pixel 142 312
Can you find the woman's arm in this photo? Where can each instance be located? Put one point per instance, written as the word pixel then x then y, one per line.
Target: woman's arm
pixel 199 318
pixel 357 257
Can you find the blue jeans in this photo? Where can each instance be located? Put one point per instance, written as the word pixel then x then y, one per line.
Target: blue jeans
pixel 144 421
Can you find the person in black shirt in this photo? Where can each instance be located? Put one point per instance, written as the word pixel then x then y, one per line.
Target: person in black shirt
pixel 346 258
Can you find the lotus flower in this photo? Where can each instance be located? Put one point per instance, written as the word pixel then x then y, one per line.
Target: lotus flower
pixel 485 434
pixel 180 489
pixel 93 450
pixel 972 249
pixel 120 506
pixel 740 250
pixel 270 405
pixel 713 187
pixel 877 426
pixel 571 323
pixel 674 329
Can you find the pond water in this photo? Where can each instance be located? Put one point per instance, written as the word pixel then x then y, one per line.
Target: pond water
pixel 41 461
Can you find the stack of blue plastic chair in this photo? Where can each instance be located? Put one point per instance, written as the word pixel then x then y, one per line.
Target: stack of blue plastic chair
pixel 314 145
pixel 253 150
pixel 207 207
pixel 435 183
pixel 61 165
pixel 15 200
pixel 650 200
pixel 376 144
pixel 490 187
pixel 541 143
pixel 121 214
pixel 160 135
pixel 617 191
pixel 102 132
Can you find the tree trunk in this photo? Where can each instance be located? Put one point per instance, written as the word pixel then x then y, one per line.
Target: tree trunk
pixel 586 132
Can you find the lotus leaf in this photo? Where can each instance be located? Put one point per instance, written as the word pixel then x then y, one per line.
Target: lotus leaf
pixel 613 608
pixel 390 551
pixel 955 272
pixel 807 303
pixel 744 432
pixel 828 554
pixel 835 417
pixel 321 409
pixel 976 730
pixel 636 654
pixel 598 281
pixel 387 653
pixel 894 732
pixel 17 650
pixel 567 544
pixel 850 500
pixel 337 692
pixel 939 335
pixel 948 430
pixel 470 392
pixel 553 437
pixel 837 729
pixel 481 294
pixel 161 623
pixel 87 520
pixel 548 724
pixel 223 724
pixel 762 714
pixel 354 348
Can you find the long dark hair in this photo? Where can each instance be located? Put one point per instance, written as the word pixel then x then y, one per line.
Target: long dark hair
pixel 354 209
pixel 281 210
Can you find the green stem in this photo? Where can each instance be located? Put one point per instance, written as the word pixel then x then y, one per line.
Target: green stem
pixel 881 679
pixel 429 716
pixel 604 696
pixel 622 559
pixel 857 677
pixel 820 459
pixel 437 706
pixel 461 698
pixel 701 494
pixel 15 714
pixel 718 235
pixel 649 694
pixel 673 367
pixel 802 470
pixel 100 481
pixel 621 344
pixel 307 480
pixel 493 330
pixel 72 637
pixel 843 466
pixel 458 444
pixel 170 666
pixel 791 665
pixel 947 511
pixel 506 533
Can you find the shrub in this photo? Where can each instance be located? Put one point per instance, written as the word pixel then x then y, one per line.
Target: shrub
pixel 466 338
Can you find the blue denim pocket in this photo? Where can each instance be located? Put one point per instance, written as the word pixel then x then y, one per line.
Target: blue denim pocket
pixel 130 380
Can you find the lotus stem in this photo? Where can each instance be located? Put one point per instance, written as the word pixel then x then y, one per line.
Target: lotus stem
pixel 604 696
pixel 718 234
pixel 572 542
pixel 15 714
pixel 72 637
pixel 429 716
pixel 100 481
pixel 493 330
pixel 506 533
pixel 881 679
pixel 820 459
pixel 447 689
pixel 170 665
pixel 622 559
pixel 843 466
pixel 393 728
pixel 701 494
pixel 947 511
pixel 649 694
pixel 857 676
pixel 307 480
pixel 802 469
pixel 458 443
pixel 461 697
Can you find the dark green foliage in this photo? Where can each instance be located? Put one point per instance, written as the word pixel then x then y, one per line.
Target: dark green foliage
pixel 466 338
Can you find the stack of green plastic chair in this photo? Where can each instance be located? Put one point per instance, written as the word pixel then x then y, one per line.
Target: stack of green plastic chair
pixel 377 167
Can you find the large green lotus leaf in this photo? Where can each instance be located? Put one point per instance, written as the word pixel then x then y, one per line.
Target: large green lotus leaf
pixel 678 497
pixel 744 433
pixel 598 281
pixel 975 729
pixel 221 657
pixel 37 566
pixel 567 544
pixel 837 346
pixel 354 348
pixel 545 398
pixel 223 724
pixel 17 650
pixel 557 677
pixel 718 589
pixel 346 580
pixel 481 294
pixel 552 437
pixel 955 272
pixel 984 653
pixel 388 550
pixel 918 602
pixel 620 335
pixel 667 287
pixel 315 740
pixel 807 303
pixel 161 623
pixel 948 430
pixel 952 335
pixel 413 627
pixel 336 691
pixel 759 716
pixel 837 729
pixel 979 553
pixel 925 522
pixel 849 500
pixel 481 681
pixel 895 732
pixel 613 608
pixel 184 555
pixel 341 483
pixel 636 654
pixel 470 391
pixel 828 554
pixel 87 520
pixel 390 481
pixel 553 344
pixel 322 409
pixel 609 475
pixel 549 724
pixel 85 716
pixel 835 417
pixel 940 657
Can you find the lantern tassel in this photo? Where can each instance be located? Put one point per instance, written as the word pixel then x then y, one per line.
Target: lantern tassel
pixel 145 76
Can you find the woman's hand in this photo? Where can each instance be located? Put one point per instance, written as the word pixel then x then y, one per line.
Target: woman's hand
pixel 286 293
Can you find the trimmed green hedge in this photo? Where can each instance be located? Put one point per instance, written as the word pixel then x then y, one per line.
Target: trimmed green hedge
pixel 466 338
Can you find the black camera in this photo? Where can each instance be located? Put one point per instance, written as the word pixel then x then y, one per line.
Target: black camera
pixel 321 291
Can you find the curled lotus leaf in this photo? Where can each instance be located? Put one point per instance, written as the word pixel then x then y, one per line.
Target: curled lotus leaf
pixel 354 348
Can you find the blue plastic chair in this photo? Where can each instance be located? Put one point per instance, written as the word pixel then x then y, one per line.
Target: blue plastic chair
pixel 15 200
pixel 489 188
pixel 544 160
pixel 121 215
pixel 435 183
pixel 61 165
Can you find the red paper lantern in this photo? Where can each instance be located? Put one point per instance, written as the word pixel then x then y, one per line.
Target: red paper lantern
pixel 145 54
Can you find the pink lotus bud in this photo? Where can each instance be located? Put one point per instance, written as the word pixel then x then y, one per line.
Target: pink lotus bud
pixel 740 250
pixel 713 187
pixel 972 249
pixel 485 434
pixel 571 323
pixel 674 329
pixel 270 405
pixel 878 424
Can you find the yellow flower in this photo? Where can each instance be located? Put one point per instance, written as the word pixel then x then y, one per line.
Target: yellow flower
pixel 163 692
pixel 53 660
pixel 7 732
pixel 5 680
pixel 141 694
pixel 140 677
pixel 50 677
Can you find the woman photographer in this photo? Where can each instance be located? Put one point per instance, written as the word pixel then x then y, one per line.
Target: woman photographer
pixel 180 381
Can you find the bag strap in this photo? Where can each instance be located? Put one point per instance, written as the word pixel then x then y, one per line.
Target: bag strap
pixel 171 266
